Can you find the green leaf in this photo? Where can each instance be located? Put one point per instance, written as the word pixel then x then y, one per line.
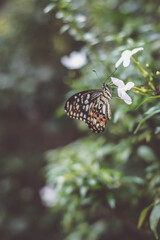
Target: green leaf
pixel 143 215
pixel 49 7
pixel 154 219
pixel 83 191
pixel 133 180
pixel 111 200
pixel 146 153
pixel 151 112
pixel 147 100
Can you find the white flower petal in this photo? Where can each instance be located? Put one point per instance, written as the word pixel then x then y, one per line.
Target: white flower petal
pixel 127 99
pixel 122 88
pixel 117 82
pixel 126 62
pixel 118 62
pixel 120 92
pixel 126 57
pixel 76 60
pixel 128 86
pixel 126 54
pixel 123 95
pixel 136 50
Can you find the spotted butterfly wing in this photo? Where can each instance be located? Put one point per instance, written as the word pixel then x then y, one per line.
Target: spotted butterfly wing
pixel 92 107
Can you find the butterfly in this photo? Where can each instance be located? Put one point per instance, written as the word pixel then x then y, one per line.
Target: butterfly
pixel 92 107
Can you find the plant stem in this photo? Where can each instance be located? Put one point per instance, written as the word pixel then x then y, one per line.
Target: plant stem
pixel 144 72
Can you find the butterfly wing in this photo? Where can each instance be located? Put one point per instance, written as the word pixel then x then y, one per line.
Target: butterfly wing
pixel 91 107
pixel 99 112
pixel 78 105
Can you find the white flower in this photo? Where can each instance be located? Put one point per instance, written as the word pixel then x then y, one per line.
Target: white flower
pixel 75 60
pixel 122 88
pixel 48 196
pixel 125 57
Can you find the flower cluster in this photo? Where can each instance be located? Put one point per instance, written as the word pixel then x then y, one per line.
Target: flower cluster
pixel 121 87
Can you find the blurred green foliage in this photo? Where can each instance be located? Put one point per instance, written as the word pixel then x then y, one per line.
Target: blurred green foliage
pixel 98 186
pixel 103 182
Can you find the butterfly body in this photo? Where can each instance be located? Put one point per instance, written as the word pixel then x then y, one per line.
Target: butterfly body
pixel 92 107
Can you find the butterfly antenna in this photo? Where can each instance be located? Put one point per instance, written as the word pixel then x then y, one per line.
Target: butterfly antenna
pixel 96 74
pixel 108 76
pixel 111 73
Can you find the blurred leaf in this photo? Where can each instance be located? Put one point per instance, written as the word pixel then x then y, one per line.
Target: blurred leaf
pixel 83 191
pixel 143 215
pixel 150 113
pixel 157 130
pixel 133 180
pixel 111 200
pixel 147 100
pixel 50 7
pixel 146 153
pixel 154 219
